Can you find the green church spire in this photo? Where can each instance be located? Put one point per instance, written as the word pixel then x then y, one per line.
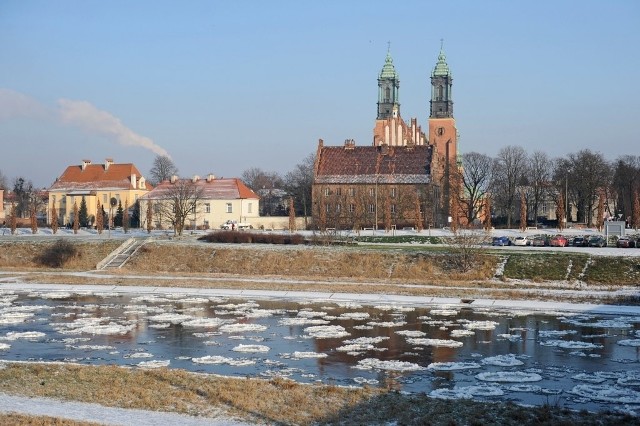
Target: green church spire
pixel 441 69
pixel 388 70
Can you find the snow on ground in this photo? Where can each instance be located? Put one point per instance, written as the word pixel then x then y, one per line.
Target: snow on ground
pixel 106 415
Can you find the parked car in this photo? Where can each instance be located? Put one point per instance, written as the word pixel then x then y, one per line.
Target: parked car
pixel 625 242
pixel 580 241
pixel 501 241
pixel 559 241
pixel 540 241
pixel 522 240
pixel 597 241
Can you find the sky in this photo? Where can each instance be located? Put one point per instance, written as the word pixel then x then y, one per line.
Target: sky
pixel 224 86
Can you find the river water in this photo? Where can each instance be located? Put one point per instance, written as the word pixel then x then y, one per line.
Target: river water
pixel 579 361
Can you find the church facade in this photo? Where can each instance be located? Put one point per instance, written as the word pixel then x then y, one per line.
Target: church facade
pixel 403 178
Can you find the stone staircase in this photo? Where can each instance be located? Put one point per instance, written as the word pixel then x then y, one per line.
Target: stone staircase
pixel 120 256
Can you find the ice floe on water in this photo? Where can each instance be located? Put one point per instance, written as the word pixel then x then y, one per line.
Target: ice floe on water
pixel 139 355
pixel 389 324
pixel 508 360
pixel 4 346
pixel 15 317
pixel 376 364
pixel 453 366
pixel 462 333
pixel 509 376
pixel 411 333
pixel 170 318
pixel 154 364
pixel 466 392
pixel 589 378
pixel 444 312
pixel 555 333
pixel 304 355
pixel 525 388
pixel 354 316
pixel 204 322
pixel 445 343
pixel 571 344
pixel 252 348
pixel 480 325
pixel 607 393
pixel 629 342
pixel 23 335
pixel 219 360
pixel 302 321
pixel 326 332
pixel 242 328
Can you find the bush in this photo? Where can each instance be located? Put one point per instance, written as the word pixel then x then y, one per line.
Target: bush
pixel 252 237
pixel 58 254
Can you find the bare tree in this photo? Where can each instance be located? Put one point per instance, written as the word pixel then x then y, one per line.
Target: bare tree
pixel 584 174
pixel 298 183
pixel 539 170
pixel 177 200
pixel 600 220
pixel 13 218
pixel 33 220
pixel 487 214
pixel 523 211
pixel 23 191
pixel 292 216
pixel 626 180
pixel 3 181
pixel 163 168
pixel 99 218
pixel 475 180
pixel 636 211
pixel 508 170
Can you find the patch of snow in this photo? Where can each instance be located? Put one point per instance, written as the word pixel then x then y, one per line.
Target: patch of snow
pixel 570 344
pixel 508 360
pixel 251 348
pixel 435 342
pixel 376 364
pixel 326 331
pixel 452 366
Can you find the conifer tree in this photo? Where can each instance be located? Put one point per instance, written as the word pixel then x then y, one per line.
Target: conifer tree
pixel 149 216
pixel 292 216
pixel 487 214
pixel 76 219
pixel 125 217
pixel 636 210
pixel 13 219
pixel 54 219
pixel 99 218
pixel 117 220
pixel 83 215
pixel 523 212
pixel 33 219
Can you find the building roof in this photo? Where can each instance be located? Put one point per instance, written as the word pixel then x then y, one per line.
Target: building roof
pixel 371 164
pixel 212 189
pixel 87 176
pixel 442 68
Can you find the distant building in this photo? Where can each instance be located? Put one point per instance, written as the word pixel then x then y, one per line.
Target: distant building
pixel 403 171
pixel 218 200
pixel 122 183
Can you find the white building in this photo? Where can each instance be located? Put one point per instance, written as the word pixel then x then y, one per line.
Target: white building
pixel 218 200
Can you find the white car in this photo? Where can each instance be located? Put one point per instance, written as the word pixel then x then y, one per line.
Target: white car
pixel 522 241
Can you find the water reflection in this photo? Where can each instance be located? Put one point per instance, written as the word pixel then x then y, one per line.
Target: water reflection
pixel 586 361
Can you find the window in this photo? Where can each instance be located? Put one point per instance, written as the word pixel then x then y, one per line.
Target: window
pixel 250 208
pixel 338 208
pixel 327 207
pixel 229 208
pixel 372 208
pixel 207 208
pixel 372 192
pixel 393 208
pixel 393 192
pixel 352 192
pixel 104 199
pixel 338 191
pixel 352 208
pixel 326 191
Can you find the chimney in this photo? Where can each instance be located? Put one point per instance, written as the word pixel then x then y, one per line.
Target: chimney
pixel 349 144
pixel 210 177
pixel 85 163
pixel 174 178
pixel 107 163
pixel 133 180
pixel 143 183
pixel 195 178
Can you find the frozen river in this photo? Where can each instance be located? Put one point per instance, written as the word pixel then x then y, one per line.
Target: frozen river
pixel 582 361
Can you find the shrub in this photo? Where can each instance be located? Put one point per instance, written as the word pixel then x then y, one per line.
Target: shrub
pixel 58 254
pixel 237 237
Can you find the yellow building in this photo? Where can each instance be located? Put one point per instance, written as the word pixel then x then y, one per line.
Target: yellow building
pixel 95 182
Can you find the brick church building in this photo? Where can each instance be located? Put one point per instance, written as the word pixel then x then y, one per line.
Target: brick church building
pixel 403 178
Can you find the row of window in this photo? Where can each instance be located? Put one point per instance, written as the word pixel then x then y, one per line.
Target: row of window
pixel 371 208
pixel 352 192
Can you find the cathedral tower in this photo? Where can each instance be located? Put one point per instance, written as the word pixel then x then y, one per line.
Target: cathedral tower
pixel 388 90
pixel 442 126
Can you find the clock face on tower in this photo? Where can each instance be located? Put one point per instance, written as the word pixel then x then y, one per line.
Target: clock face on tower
pixel 440 131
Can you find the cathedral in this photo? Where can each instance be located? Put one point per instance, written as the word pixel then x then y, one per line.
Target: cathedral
pixel 403 179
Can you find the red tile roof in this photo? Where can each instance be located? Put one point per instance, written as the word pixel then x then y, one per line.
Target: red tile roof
pixel 367 164
pixel 97 176
pixel 215 189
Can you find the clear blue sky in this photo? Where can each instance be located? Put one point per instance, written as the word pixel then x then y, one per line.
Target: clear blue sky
pixel 223 86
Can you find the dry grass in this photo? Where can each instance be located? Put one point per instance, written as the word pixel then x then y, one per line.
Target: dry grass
pixel 276 401
pixel 27 254
pixel 15 419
